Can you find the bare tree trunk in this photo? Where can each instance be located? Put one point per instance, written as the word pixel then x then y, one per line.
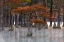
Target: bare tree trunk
pixel 54 26
pixel 59 7
pixel 51 3
pixel 2 14
pixel 63 14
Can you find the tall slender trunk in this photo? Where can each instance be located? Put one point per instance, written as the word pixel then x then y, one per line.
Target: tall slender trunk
pixel 63 13
pixel 54 26
pixel 59 7
pixel 2 14
pixel 51 3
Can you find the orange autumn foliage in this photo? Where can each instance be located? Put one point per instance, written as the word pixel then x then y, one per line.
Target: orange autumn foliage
pixel 35 8
pixel 24 9
pixel 52 18
pixel 47 15
pixel 32 9
pixel 21 8
pixel 37 21
pixel 14 11
pixel 39 7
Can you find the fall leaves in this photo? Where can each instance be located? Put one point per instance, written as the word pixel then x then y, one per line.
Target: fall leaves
pixel 34 8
